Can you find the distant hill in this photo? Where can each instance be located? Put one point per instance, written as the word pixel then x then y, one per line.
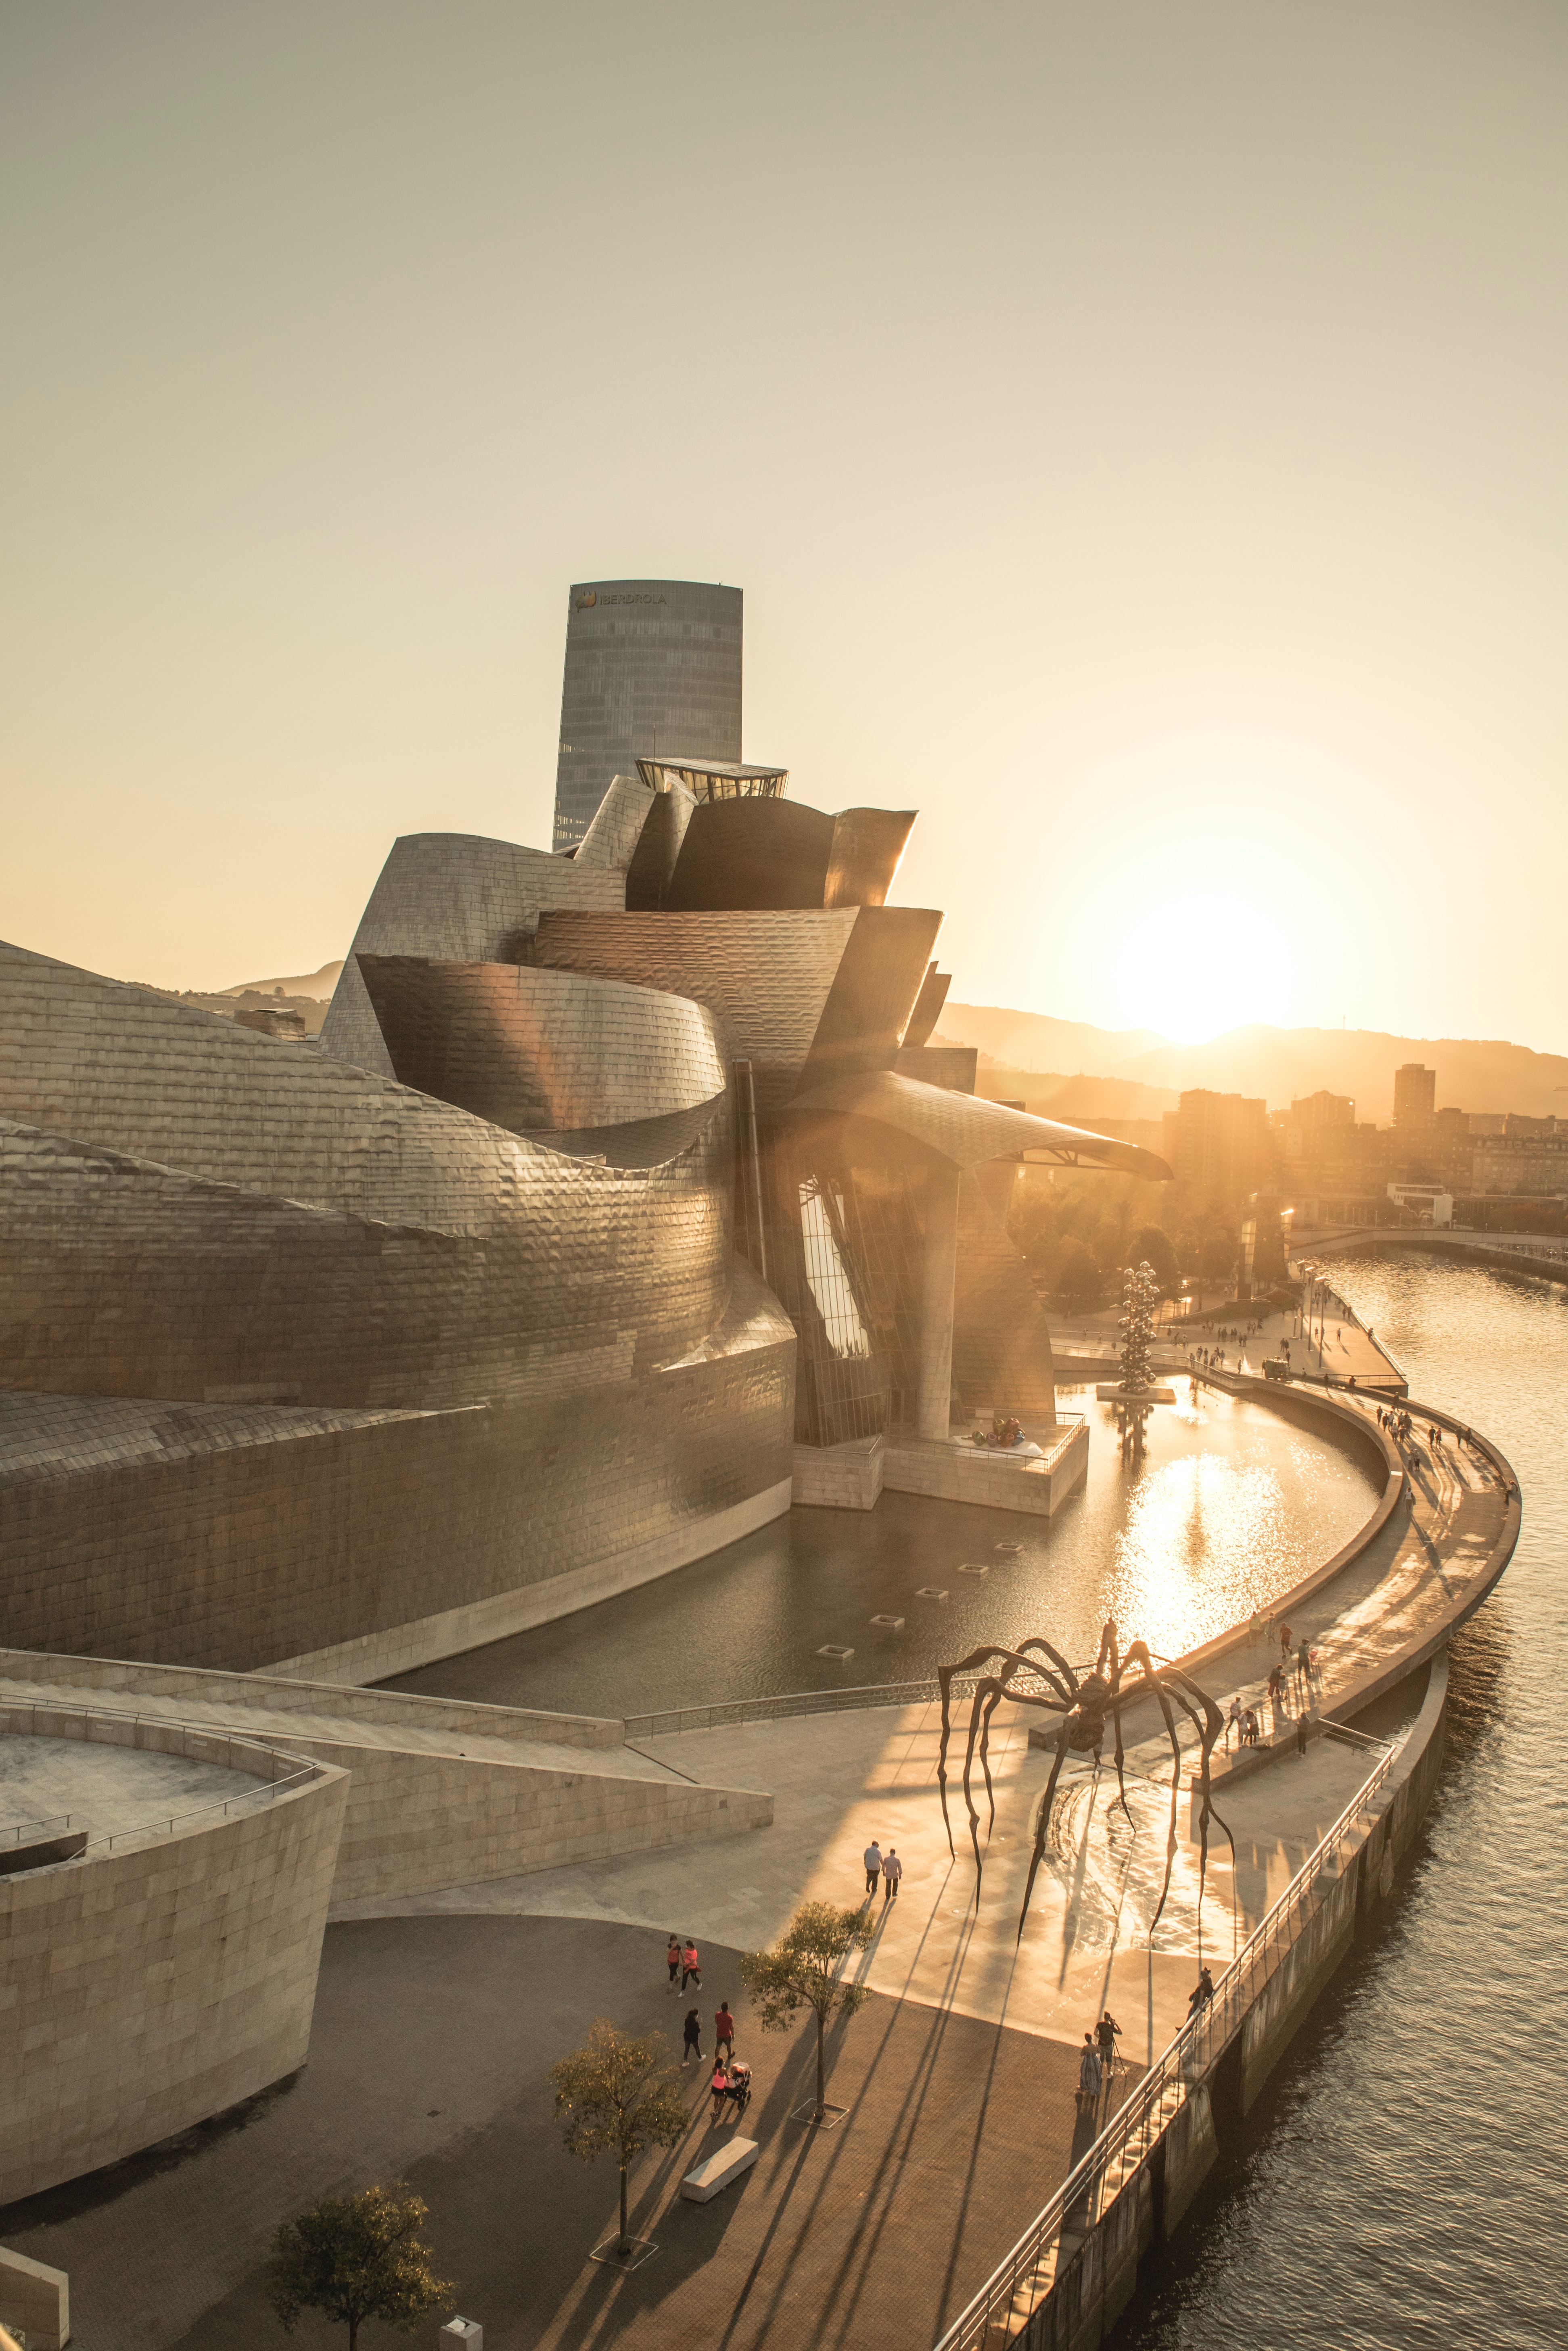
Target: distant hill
pixel 1032 1041
pixel 1280 1064
pixel 318 984
pixel 1076 1100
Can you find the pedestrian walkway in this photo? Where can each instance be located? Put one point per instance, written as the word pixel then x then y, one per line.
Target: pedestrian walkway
pixel 439 2013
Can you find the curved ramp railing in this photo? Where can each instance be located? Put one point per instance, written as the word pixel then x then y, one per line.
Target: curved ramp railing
pixel 1019 2283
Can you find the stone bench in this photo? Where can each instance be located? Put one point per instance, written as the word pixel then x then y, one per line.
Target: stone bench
pixel 35 2301
pixel 718 2171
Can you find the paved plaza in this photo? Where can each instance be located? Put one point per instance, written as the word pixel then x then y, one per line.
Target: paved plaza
pixel 439 2014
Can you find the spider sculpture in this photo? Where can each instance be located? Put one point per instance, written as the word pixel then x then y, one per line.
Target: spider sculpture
pixel 1035 1674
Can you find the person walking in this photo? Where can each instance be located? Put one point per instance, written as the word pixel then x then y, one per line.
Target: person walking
pixel 1088 2074
pixel 724 2032
pixel 892 1870
pixel 1285 1644
pixel 1233 1723
pixel 672 1960
pixel 1107 2033
pixel 691 1966
pixel 692 2044
pixel 872 1857
pixel 719 2083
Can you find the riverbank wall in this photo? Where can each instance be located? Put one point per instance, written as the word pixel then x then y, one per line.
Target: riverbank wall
pixel 1101 2250
pixel 1098 2264
pixel 1521 1259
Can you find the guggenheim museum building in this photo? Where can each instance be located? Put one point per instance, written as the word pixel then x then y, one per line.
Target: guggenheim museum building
pixel 621 1198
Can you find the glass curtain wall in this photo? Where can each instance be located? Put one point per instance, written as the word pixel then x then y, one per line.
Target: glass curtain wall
pixel 845 1251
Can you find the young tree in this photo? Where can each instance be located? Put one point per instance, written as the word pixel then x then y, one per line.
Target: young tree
pixel 620 2096
pixel 802 1972
pixel 357 2257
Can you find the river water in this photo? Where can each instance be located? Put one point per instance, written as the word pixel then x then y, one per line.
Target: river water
pixel 1404 2181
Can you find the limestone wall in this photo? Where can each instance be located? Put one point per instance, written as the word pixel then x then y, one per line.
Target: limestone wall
pixel 390 1712
pixel 417 1823
pixel 144 1988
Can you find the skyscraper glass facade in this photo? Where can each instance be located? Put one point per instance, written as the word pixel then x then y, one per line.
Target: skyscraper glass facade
pixel 653 667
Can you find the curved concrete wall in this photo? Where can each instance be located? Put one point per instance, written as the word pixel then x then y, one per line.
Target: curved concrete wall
pixel 149 1987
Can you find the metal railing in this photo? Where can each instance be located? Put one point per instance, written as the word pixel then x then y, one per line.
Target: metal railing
pixel 56 1823
pixel 263 1791
pixel 164 1823
pixel 726 1712
pixel 1136 2128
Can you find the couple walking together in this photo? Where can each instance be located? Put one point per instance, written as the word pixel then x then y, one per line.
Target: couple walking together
pixel 884 1865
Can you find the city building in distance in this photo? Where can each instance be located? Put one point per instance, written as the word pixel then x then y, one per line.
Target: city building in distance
pixel 652 668
pixel 1414 1094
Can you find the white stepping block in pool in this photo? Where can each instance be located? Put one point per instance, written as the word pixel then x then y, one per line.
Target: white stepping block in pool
pixel 718 2171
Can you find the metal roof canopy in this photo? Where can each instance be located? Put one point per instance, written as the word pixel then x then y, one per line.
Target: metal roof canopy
pixel 713 779
pixel 967 1129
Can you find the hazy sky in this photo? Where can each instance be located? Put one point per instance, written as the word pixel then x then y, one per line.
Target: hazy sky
pixel 1138 430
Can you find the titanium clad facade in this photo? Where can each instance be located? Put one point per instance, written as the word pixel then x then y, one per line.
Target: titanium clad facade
pixel 652 665
pixel 329 1370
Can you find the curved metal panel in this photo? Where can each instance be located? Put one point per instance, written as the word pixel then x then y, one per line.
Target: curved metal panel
pixel 456 895
pixel 874 990
pixel 648 876
pixel 231 1210
pixel 927 1008
pixel 968 1130
pixel 868 845
pixel 768 976
pixel 527 1048
pixel 745 853
pixel 612 838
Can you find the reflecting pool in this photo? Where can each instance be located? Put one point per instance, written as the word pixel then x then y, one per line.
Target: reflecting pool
pixel 1226 1507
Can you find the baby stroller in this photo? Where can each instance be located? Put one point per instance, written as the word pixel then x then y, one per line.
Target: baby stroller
pixel 739 2094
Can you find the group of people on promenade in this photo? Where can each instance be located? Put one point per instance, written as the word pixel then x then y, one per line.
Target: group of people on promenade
pixel 1404 1431
pixel 1243 1721
pixel 730 2080
pixel 1097 2060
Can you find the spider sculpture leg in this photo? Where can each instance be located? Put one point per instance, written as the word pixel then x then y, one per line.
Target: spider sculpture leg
pixel 1013 1661
pixel 986 1695
pixel 1020 1660
pixel 1138 1651
pixel 1116 1680
pixel 946 1677
pixel 1042 1821
pixel 1212 1730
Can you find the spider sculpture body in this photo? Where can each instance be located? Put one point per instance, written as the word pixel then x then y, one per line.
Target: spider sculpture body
pixel 1037 1674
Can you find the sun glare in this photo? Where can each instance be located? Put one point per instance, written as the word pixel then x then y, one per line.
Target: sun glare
pixel 1242 969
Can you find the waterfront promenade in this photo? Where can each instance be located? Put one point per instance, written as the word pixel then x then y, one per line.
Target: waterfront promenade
pixel 441 2012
